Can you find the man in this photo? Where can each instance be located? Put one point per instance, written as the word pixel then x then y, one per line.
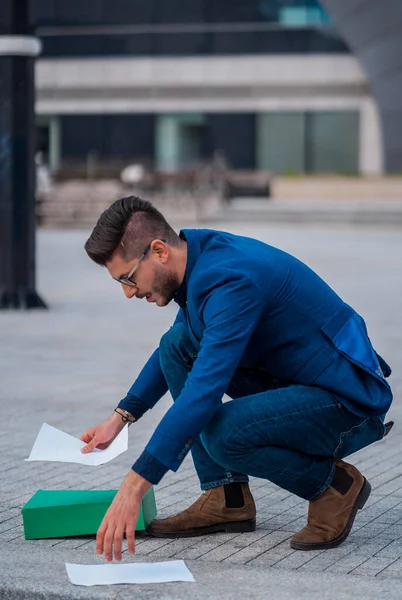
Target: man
pixel 307 387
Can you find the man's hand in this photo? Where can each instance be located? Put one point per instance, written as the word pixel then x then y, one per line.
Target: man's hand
pixel 102 435
pixel 122 517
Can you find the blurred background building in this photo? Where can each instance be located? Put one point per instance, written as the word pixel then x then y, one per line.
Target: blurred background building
pixel 263 84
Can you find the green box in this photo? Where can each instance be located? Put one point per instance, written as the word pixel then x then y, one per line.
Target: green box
pixel 67 513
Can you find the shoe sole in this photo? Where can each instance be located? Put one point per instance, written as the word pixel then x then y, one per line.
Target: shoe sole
pixel 359 503
pixel 233 527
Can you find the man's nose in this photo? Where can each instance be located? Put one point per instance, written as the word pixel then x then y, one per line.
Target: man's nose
pixel 129 291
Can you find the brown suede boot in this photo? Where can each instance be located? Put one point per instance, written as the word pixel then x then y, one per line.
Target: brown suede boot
pixel 208 514
pixel 330 517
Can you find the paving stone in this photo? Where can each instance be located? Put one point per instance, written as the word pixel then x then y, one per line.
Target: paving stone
pixel 392 460
pixel 273 556
pixel 297 559
pixel 296 524
pixel 84 362
pixel 372 547
pixel 10 524
pixel 9 513
pixel 284 520
pixel 73 543
pixel 396 528
pixel 148 545
pixel 329 557
pixel 372 566
pixel 392 516
pixel 391 550
pixel 252 550
pixel 346 564
pixel 172 549
pixel 393 570
pixel 374 528
pixel 380 507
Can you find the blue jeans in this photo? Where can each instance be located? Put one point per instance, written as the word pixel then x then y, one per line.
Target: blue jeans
pixel 288 434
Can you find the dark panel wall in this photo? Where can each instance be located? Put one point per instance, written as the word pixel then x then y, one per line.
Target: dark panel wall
pixel 372 29
pixel 117 136
pixel 287 41
pixel 133 136
pixel 234 133
pixel 151 15
pixel 123 12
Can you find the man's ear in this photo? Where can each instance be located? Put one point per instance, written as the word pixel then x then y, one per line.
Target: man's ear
pixel 160 249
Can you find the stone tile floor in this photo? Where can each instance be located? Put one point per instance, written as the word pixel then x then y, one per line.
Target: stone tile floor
pixel 70 365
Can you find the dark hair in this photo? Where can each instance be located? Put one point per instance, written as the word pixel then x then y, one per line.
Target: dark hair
pixel 129 225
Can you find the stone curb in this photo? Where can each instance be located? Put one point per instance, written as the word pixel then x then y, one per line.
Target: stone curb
pixel 347 213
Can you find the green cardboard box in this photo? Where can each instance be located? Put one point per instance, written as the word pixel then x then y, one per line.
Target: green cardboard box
pixel 66 513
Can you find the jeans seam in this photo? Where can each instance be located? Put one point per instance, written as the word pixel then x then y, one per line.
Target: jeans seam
pixel 244 427
pixel 325 485
pixel 344 434
pixel 220 482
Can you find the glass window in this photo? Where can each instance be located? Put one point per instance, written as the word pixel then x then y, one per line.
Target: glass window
pixel 308 142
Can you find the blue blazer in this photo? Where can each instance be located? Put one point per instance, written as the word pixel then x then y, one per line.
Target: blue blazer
pixel 248 304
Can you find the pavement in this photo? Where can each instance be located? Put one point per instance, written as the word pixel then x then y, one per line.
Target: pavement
pixel 70 365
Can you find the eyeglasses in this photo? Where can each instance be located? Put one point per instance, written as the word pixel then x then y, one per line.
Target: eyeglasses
pixel 126 279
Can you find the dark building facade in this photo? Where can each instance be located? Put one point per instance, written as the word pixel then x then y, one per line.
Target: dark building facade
pixel 268 82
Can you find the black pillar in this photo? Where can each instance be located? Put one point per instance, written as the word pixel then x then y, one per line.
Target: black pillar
pixel 17 175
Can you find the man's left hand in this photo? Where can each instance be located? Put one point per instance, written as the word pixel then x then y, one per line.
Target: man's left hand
pixel 122 517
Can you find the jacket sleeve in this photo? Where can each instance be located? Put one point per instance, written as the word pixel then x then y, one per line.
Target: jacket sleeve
pixel 150 385
pixel 231 313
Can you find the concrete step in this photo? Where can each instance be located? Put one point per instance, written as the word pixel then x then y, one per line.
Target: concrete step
pixel 383 212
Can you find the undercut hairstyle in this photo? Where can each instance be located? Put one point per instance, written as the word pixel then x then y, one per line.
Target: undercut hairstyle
pixel 127 227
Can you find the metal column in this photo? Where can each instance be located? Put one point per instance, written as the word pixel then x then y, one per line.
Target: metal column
pixel 17 172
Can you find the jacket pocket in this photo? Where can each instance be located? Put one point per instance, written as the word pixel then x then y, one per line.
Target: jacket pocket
pixel 347 332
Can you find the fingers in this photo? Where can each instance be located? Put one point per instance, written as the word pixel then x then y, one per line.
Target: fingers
pixel 100 537
pixel 108 544
pixel 110 538
pixel 117 542
pixel 120 519
pixel 130 535
pixel 86 437
pixel 92 444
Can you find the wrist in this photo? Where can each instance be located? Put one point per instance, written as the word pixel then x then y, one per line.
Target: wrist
pixel 116 419
pixel 138 484
pixel 125 416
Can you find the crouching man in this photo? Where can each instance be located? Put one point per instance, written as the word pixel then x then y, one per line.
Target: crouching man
pixel 253 322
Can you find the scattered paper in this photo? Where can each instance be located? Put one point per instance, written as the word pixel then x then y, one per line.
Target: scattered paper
pixel 53 444
pixel 108 574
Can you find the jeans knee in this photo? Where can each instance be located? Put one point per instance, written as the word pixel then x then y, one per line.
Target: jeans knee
pixel 217 439
pixel 176 343
pixel 172 337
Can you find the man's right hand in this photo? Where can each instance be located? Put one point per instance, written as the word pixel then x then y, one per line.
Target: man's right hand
pixel 102 435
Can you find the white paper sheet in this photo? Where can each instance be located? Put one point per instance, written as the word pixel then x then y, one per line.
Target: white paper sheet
pixel 108 574
pixel 53 444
